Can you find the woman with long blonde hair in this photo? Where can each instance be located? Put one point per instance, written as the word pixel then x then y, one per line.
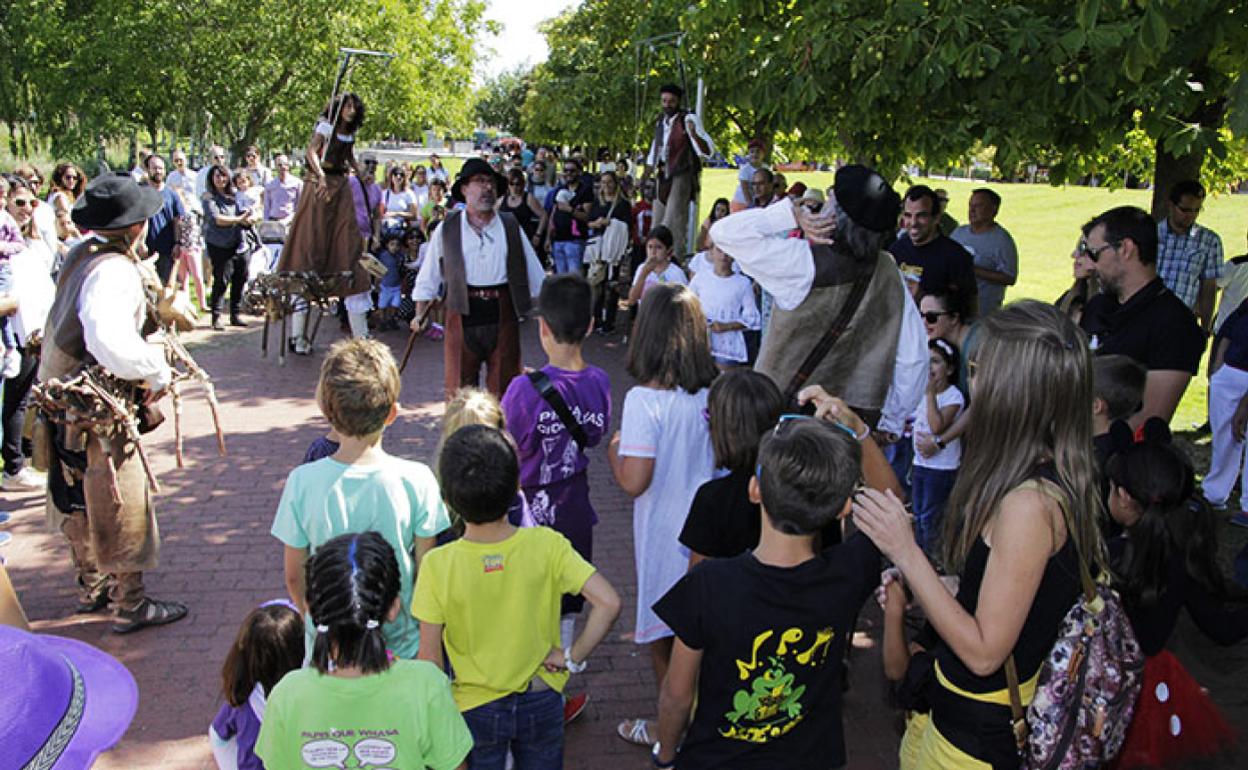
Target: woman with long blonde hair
pixel 1023 513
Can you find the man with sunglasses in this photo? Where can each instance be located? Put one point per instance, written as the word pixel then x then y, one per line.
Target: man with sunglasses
pixel 1189 257
pixel 1136 315
pixel 216 155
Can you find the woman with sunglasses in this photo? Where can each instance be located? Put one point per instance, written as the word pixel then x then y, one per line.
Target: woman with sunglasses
pixel 67 184
pixel 1086 286
pixel 30 275
pixel 401 202
pixel 946 315
pixel 523 206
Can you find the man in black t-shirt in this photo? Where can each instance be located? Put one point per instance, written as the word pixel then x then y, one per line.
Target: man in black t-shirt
pixel 761 636
pixel 923 253
pixel 1136 315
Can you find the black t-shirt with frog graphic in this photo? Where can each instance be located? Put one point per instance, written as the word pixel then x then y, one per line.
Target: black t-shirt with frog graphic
pixel 772 640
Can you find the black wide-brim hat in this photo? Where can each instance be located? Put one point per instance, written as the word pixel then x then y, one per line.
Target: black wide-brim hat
pixel 472 168
pixel 867 198
pixel 114 202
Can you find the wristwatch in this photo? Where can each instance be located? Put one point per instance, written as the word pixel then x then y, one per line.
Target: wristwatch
pixel 573 668
pixel 654 757
pixel 939 442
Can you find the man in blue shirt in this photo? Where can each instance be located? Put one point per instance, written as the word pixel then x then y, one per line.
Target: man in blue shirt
pixel 162 228
pixel 1189 257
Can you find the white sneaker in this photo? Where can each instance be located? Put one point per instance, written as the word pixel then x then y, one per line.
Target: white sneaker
pixel 12 364
pixel 26 478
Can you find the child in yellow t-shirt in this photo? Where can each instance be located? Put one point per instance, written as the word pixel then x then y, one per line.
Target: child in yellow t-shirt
pixel 492 598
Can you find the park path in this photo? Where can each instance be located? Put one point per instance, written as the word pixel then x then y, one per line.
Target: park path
pixel 220 560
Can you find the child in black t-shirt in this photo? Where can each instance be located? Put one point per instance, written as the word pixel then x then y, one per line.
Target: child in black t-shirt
pixel 1117 394
pixel 723 522
pixel 760 637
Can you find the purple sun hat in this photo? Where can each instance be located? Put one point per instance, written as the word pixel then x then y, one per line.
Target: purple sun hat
pixel 63 701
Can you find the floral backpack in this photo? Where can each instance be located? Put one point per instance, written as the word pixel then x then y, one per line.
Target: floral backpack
pixel 1088 685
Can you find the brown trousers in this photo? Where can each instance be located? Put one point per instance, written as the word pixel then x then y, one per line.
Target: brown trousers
pixel 497 346
pixel 115 538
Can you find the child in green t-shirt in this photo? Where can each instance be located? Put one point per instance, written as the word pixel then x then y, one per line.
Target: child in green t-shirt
pixel 354 703
pixel 492 597
pixel 360 487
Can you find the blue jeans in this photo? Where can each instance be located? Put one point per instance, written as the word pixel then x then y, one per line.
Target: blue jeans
pixel 568 256
pixel 929 492
pixel 900 455
pixel 530 724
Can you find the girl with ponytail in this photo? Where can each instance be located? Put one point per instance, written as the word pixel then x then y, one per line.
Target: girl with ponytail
pixel 355 700
pixel 1165 561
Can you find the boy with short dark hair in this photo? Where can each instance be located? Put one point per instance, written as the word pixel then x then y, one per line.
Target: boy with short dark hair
pixel 551 440
pixel 760 637
pixel 492 597
pixel 360 487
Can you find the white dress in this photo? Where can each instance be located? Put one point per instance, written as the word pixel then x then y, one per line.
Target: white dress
pixel 671 427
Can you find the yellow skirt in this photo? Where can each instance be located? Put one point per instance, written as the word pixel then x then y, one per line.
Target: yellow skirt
pixel 922 745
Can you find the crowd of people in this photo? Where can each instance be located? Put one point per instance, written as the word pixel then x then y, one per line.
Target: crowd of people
pixel 831 401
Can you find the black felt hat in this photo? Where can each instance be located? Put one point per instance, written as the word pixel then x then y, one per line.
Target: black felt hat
pixel 867 198
pixel 473 167
pixel 114 202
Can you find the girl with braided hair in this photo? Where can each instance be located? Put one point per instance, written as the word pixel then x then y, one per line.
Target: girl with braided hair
pixel 354 700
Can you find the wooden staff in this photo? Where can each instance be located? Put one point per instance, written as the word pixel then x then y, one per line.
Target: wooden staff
pixel 411 338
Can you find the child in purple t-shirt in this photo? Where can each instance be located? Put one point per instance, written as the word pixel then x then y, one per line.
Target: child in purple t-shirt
pixel 552 465
pixel 269 646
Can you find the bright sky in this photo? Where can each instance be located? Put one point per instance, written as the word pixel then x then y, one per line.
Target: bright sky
pixel 520 42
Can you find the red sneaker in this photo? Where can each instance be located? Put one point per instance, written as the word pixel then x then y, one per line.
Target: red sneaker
pixel 573 706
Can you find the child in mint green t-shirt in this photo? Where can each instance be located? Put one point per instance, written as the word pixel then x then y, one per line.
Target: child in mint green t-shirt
pixel 354 707
pixel 360 487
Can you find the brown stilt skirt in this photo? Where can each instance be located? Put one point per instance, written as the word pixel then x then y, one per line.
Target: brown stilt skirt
pixel 324 236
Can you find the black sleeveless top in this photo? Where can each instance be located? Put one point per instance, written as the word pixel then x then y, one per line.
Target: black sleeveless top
pixel 981 729
pixel 523 214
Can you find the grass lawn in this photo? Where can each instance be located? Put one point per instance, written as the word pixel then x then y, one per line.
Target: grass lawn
pixel 1045 223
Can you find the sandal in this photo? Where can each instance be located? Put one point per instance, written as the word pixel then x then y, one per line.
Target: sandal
pixel 636 731
pixel 92 605
pixel 150 613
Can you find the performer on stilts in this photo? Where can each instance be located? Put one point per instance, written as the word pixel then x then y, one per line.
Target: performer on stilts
pixel 324 237
pixel 98 489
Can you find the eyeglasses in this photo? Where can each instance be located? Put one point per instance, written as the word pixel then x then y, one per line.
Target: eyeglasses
pixel 22 203
pixel 1186 210
pixel 932 316
pixel 1095 254
pixel 69 176
pixel 393 173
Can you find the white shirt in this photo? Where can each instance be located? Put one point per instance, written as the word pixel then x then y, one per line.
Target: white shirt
pixel 112 308
pixel 31 274
pixel 201 181
pixel 745 174
pixel 399 202
pixel 692 126
pixel 727 299
pixel 45 223
pixel 185 185
pixel 784 267
pixel 949 458
pixel 485 260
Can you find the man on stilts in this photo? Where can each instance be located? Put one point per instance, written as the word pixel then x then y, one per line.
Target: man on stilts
pixel 98 494
pixel 679 143
pixel 491 274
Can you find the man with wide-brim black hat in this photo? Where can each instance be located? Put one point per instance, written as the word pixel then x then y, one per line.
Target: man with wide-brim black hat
pixel 491 275
pixel 97 489
pixel 842 317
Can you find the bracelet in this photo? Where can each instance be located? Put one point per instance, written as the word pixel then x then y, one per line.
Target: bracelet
pixel 866 431
pixel 573 668
pixel 654 757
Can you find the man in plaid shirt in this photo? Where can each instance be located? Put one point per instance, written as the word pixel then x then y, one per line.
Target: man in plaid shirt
pixel 1189 257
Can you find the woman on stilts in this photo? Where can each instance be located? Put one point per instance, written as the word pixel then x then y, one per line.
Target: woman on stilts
pixel 324 237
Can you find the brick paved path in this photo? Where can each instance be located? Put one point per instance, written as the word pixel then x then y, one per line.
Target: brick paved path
pixel 219 558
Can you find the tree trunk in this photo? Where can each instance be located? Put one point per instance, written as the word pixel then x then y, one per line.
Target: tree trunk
pixel 1169 170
